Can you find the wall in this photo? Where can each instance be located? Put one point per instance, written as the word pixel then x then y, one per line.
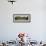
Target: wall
pixel 37 27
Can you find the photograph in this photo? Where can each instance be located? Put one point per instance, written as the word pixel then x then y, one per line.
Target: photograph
pixel 22 22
